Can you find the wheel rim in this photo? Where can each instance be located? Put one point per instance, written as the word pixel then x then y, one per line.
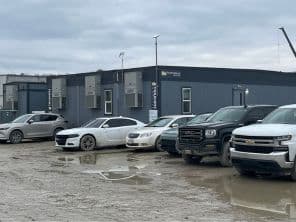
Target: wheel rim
pixel 87 143
pixel 16 137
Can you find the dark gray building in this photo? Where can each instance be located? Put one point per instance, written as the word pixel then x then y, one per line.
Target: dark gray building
pixel 181 90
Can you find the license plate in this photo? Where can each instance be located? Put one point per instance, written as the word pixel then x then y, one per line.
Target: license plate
pixel 130 141
pixel 188 152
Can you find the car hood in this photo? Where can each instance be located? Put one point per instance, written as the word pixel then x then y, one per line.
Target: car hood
pixel 173 131
pixel 78 131
pixel 214 125
pixel 266 130
pixel 150 130
pixel 9 125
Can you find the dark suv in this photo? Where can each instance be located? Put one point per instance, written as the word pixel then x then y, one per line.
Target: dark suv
pixel 212 137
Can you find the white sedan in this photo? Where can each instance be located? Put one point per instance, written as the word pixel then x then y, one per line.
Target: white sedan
pixel 149 136
pixel 100 132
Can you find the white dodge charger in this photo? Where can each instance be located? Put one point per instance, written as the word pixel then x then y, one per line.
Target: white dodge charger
pixel 100 132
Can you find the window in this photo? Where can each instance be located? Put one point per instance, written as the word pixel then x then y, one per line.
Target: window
pixel 181 121
pixel 186 100
pixel 48 118
pixel 115 123
pixel 108 101
pixel 36 118
pixel 129 122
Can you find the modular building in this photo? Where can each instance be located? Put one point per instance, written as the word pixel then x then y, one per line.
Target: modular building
pixel 138 92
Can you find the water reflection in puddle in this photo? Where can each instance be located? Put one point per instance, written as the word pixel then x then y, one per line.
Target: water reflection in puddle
pixel 113 167
pixel 267 196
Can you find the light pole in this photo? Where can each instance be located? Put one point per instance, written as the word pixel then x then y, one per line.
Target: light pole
pixel 156 72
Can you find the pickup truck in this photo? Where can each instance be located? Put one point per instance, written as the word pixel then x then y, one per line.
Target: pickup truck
pixel 269 147
pixel 212 137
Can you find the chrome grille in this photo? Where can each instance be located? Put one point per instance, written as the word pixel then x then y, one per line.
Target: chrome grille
pixel 190 135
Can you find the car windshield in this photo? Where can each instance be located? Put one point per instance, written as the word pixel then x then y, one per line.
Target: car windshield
pixel 228 115
pixel 161 122
pixel 96 123
pixel 22 119
pixel 281 116
pixel 199 119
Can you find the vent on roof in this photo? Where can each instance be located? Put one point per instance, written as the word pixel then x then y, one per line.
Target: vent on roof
pixel 133 84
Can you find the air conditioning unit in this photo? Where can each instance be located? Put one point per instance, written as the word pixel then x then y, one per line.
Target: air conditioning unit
pixel 93 91
pixel 133 84
pixel 11 97
pixel 58 93
pixel 58 102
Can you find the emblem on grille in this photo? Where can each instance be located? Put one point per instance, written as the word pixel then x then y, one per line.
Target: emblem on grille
pixel 250 141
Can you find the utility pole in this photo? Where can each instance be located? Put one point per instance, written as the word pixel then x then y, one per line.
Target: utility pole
pixel 156 105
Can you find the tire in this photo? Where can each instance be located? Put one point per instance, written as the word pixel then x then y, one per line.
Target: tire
pixel 225 160
pixel 55 133
pixel 87 143
pixel 293 171
pixel 190 159
pixel 16 137
pixel 158 145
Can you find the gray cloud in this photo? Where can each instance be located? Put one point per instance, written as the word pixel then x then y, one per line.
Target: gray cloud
pixel 51 36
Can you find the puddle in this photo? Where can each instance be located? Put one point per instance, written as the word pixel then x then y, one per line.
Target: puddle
pixel 265 196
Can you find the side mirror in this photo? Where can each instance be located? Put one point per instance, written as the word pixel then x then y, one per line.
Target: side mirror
pixel 105 126
pixel 174 125
pixel 30 121
pixel 259 121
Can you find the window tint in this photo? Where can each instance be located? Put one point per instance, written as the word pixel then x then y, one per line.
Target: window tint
pixel 182 121
pixel 129 122
pixel 45 118
pixel 255 114
pixel 116 122
pixel 36 118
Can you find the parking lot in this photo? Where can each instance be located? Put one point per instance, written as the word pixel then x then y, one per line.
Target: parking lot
pixel 40 182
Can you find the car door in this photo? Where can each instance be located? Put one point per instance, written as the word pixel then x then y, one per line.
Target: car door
pixel 34 127
pixel 48 123
pixel 128 125
pixel 112 133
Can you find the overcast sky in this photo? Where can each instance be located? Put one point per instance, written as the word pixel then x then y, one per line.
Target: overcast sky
pixel 59 36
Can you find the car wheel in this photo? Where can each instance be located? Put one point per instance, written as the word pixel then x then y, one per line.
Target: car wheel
pixel 55 132
pixel 16 136
pixel 87 143
pixel 225 160
pixel 293 171
pixel 158 144
pixel 190 159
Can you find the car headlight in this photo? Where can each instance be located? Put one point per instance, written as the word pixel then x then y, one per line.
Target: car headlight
pixel 283 138
pixel 5 128
pixel 146 134
pixel 210 133
pixel 73 135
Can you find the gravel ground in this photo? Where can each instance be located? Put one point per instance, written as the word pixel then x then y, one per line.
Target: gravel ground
pixel 42 183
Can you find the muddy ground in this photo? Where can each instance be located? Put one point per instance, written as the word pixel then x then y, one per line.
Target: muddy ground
pixel 39 182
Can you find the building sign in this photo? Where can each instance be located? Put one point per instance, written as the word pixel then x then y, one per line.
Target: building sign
pixel 153 115
pixel 154 95
pixel 170 74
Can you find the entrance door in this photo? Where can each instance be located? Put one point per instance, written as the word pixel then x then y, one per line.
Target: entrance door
pixel 237 98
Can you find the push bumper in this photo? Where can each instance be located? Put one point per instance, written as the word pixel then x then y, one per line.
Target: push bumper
pixel 68 142
pixel 209 147
pixel 274 162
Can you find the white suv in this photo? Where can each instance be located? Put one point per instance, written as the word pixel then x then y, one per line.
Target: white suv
pixel 269 147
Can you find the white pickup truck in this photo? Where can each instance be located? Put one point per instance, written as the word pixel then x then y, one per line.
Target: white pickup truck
pixel 268 147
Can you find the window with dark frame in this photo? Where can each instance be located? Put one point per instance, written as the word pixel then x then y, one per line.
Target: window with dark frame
pixel 186 100
pixel 108 101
